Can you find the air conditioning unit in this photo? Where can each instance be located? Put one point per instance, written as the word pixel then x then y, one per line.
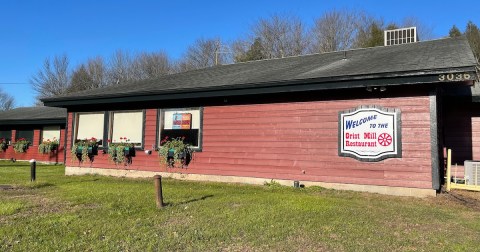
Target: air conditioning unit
pixel 472 172
pixel 400 36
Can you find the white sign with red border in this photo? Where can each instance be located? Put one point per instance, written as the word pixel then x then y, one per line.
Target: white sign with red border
pixel 370 133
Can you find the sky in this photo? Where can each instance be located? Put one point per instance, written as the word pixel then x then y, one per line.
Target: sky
pixel 31 31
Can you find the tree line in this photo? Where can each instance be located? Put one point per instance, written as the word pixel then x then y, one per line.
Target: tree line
pixel 277 36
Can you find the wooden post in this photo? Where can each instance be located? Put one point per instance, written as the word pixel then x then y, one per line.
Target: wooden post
pixel 449 167
pixel 158 190
pixel 33 170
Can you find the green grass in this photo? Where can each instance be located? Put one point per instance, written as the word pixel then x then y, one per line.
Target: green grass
pixel 96 213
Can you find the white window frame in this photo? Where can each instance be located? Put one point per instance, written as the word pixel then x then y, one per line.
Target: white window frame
pixel 161 122
pixel 77 121
pixel 111 124
pixel 57 128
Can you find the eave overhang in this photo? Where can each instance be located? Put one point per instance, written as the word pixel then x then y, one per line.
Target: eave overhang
pixel 34 122
pixel 316 84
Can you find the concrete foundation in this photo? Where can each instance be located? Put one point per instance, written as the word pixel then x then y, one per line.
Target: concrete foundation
pixel 388 190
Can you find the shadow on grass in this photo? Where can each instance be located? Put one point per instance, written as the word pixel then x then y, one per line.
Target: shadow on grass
pixel 81 181
pixel 6 187
pixel 188 201
pixel 37 185
pixel 14 165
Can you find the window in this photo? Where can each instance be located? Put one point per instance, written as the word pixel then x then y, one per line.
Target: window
pixel 185 122
pixel 6 134
pixel 51 133
pixel 127 125
pixel 27 134
pixel 89 125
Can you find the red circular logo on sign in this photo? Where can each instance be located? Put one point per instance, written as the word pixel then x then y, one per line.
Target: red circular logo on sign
pixel 385 139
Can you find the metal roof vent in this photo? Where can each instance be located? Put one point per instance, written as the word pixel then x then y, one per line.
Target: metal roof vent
pixel 400 36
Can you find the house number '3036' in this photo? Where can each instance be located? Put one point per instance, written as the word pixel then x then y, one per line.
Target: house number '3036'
pixel 454 77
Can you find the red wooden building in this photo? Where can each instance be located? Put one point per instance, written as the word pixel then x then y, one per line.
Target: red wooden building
pixel 34 125
pixel 368 119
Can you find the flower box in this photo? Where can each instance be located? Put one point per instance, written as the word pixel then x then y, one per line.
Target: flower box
pixel 91 145
pixel 129 151
pixel 91 150
pixel 48 146
pixel 21 145
pixel 3 145
pixel 175 152
pixel 121 152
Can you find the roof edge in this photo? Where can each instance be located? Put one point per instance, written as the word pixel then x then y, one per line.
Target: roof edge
pixel 33 121
pixel 343 82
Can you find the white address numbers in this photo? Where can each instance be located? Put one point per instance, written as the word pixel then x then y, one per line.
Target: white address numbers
pixel 454 77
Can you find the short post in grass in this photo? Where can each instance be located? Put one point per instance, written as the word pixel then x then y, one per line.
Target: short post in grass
pixel 158 190
pixel 33 170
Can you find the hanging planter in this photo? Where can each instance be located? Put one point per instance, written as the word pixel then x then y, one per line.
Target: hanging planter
pixel 3 145
pixel 92 150
pixel 121 152
pixel 85 149
pixel 129 151
pixel 174 152
pixel 21 145
pixel 46 147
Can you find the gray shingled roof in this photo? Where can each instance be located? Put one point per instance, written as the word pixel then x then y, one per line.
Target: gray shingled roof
pixel 32 115
pixel 420 58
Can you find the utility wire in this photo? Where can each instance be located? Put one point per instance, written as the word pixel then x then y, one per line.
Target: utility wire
pixel 14 83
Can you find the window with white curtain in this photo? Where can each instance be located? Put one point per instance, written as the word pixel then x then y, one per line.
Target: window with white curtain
pixel 89 125
pixel 51 133
pixel 126 127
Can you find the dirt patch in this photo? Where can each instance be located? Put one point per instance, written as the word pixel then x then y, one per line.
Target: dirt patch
pixel 468 199
pixel 6 187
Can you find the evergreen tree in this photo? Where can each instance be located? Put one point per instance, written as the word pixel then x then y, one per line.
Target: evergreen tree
pixel 81 80
pixel 454 32
pixel 473 35
pixel 376 36
pixel 254 53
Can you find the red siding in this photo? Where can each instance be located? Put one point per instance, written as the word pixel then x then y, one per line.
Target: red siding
pixel 297 141
pixel 32 151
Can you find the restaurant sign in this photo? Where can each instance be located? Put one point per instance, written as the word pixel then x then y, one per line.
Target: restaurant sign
pixel 369 133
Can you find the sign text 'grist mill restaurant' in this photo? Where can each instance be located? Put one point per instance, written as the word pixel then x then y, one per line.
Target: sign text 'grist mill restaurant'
pixel 370 133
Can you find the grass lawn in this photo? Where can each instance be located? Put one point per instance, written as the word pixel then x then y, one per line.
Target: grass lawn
pixel 95 213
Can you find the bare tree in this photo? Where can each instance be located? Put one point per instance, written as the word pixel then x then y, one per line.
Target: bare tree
pixel 88 76
pixel 280 36
pixel 124 67
pixel 424 31
pixel 151 65
pixel 6 101
pixel 335 30
pixel 204 53
pixel 120 68
pixel 97 70
pixel 53 78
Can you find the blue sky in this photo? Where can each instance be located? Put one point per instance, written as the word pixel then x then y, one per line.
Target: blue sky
pixel 31 31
